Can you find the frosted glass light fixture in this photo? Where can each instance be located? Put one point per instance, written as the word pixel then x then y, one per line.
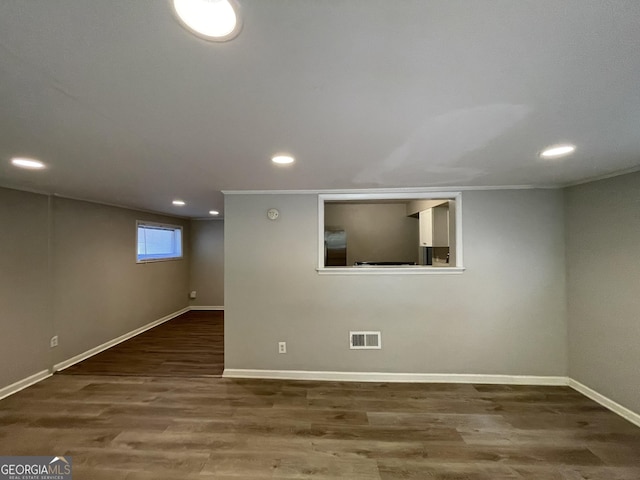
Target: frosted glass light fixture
pixel 215 20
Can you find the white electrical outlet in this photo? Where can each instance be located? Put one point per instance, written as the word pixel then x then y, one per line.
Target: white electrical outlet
pixel 54 341
pixel 282 347
pixel 193 294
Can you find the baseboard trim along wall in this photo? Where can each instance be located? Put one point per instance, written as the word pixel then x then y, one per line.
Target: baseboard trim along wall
pixel 615 407
pixel 606 402
pixel 122 338
pixel 24 383
pixel 205 307
pixel 395 377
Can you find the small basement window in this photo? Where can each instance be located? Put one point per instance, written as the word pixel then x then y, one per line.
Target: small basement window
pixel 158 242
pixel 399 233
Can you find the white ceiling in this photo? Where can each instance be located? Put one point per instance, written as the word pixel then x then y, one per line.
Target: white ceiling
pixel 126 107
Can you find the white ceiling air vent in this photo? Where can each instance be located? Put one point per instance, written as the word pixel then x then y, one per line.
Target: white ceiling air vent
pixel 365 340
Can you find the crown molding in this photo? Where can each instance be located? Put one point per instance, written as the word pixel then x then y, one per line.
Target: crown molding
pixel 604 176
pixel 391 190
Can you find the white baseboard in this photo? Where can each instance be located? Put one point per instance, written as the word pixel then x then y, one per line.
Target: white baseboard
pixel 205 307
pixel 24 383
pixel 101 348
pixel 615 407
pixel 394 377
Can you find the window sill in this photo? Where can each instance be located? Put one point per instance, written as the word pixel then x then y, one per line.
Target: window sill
pixel 154 260
pixel 404 270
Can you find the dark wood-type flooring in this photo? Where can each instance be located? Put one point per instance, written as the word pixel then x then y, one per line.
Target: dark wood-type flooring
pixel 190 345
pixel 160 427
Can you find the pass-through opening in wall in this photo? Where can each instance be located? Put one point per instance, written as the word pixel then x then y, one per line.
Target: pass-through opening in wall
pixel 390 233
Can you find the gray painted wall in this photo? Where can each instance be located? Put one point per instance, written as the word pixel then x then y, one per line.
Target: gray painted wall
pixel 603 271
pixel 504 315
pixel 207 262
pixel 378 233
pixel 93 292
pixel 25 300
pixel 100 292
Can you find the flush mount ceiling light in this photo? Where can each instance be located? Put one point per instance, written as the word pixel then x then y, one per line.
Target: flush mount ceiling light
pixel 29 163
pixel 558 151
pixel 283 159
pixel 215 20
pixel 179 203
pixel 214 212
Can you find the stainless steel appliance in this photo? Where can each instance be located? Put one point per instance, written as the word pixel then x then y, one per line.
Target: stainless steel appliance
pixel 335 247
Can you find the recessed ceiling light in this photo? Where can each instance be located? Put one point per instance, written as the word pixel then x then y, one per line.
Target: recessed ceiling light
pixel 179 203
pixel 283 159
pixel 558 151
pixel 214 212
pixel 216 20
pixel 27 163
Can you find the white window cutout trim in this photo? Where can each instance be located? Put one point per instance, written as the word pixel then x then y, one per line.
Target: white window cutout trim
pixel 392 270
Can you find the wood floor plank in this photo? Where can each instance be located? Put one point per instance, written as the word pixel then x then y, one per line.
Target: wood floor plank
pixel 576 473
pixel 426 470
pixel 149 410
pixel 189 345
pixel 139 460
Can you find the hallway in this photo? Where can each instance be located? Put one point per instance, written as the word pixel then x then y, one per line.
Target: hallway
pixel 191 345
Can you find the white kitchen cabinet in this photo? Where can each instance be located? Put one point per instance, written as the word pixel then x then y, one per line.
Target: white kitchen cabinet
pixel 426 227
pixel 434 226
pixel 441 225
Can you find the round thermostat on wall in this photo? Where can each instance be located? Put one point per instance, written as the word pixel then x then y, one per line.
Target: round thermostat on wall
pixel 273 214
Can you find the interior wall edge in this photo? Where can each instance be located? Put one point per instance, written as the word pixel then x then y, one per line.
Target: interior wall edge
pixel 534 380
pixel 111 343
pixel 24 383
pixel 396 377
pixel 615 407
pixel 606 402
pixel 42 375
pixel 443 188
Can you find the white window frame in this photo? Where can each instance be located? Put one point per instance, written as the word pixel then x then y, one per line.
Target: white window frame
pixel 142 223
pixel 391 270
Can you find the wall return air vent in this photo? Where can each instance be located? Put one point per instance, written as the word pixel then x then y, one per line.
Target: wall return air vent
pixel 365 340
